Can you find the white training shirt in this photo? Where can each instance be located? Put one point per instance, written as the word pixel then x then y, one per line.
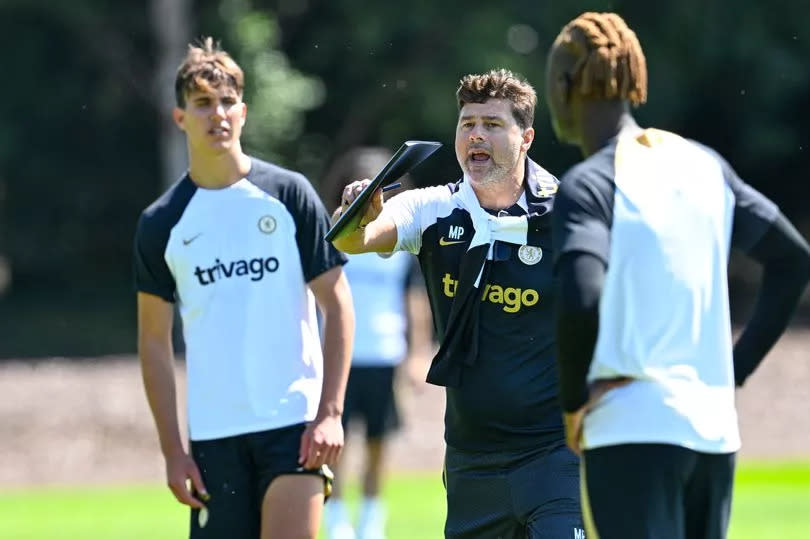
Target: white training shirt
pixel 237 260
pixel 660 210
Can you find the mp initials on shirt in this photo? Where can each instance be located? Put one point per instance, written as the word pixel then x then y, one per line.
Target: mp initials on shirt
pixel 579 533
pixel 455 232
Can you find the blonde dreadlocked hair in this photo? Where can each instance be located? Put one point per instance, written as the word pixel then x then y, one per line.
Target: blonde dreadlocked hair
pixel 610 63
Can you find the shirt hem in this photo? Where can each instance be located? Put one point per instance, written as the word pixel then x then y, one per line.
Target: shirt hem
pixel 214 434
pixel 701 446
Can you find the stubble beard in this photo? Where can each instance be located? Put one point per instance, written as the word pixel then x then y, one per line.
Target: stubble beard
pixel 497 174
pixel 493 177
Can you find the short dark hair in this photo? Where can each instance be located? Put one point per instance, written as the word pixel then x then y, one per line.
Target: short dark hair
pixel 500 84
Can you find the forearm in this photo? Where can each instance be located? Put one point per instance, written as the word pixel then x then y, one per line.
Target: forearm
pixel 352 240
pixel 779 295
pixel 372 234
pixel 576 341
pixel 577 324
pixel 786 268
pixel 337 351
pixel 157 371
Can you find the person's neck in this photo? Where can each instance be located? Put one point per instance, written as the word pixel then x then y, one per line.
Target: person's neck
pixel 605 119
pixel 502 194
pixel 218 171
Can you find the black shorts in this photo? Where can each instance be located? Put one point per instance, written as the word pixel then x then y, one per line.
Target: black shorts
pixel 237 471
pixel 370 396
pixel 530 494
pixel 636 491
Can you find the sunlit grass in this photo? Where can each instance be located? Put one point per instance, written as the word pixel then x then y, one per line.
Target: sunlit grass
pixel 770 501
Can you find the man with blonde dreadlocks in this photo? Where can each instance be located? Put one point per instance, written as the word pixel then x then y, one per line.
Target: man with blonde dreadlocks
pixel 642 229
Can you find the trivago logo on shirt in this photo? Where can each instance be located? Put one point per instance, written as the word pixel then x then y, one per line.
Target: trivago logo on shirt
pixel 512 299
pixel 256 268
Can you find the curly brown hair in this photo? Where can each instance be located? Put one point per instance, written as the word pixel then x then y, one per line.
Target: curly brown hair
pixel 500 84
pixel 206 66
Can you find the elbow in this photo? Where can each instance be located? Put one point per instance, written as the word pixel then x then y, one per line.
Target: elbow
pixel 800 266
pixel 334 297
pixel 585 317
pixel 345 246
pixel 801 260
pixel 804 266
pixel 791 270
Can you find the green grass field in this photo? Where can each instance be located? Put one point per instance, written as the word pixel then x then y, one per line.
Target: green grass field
pixel 770 501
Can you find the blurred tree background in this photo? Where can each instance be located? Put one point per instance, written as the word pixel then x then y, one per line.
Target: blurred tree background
pixel 86 142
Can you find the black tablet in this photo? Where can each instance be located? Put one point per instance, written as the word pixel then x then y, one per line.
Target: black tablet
pixel 410 154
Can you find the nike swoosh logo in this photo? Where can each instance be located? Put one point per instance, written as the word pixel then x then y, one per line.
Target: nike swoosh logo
pixel 192 238
pixel 443 242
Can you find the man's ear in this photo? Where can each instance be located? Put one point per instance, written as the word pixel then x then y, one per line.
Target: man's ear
pixel 566 82
pixel 179 116
pixel 528 138
pixel 244 113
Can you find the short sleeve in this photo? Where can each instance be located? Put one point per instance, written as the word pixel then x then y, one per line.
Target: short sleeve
pixel 582 216
pixel 311 225
pixel 152 274
pixel 403 209
pixel 412 212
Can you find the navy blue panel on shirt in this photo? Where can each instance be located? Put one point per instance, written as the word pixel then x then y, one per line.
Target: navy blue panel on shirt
pixel 152 275
pixel 311 218
pixel 584 206
pixel 753 212
pixel 583 211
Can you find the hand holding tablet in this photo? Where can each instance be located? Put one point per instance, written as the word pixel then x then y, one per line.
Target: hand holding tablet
pixel 407 157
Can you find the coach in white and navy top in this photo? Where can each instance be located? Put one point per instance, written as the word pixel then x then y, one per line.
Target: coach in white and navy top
pixel 237 261
pixel 508 398
pixel 485 249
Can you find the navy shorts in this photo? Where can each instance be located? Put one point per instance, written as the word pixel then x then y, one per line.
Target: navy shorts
pixel 370 396
pixel 237 471
pixel 530 494
pixel 636 491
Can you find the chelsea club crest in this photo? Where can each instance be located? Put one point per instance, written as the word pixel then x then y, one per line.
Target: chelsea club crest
pixel 267 224
pixel 530 255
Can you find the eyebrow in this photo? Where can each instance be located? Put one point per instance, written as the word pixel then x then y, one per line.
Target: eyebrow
pixel 488 117
pixel 205 98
